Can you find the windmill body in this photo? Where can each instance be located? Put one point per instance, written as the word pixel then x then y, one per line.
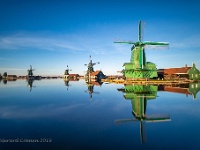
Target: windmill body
pixel 138 67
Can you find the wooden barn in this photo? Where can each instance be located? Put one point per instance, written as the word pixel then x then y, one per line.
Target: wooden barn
pixel 191 73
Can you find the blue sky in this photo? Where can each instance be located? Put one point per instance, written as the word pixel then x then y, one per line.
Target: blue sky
pixel 51 34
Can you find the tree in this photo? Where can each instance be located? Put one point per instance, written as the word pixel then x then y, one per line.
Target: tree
pixel 5 75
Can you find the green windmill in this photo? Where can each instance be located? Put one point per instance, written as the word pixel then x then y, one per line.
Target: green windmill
pixel 138 68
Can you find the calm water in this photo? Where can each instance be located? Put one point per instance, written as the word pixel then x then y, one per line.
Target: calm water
pixel 53 114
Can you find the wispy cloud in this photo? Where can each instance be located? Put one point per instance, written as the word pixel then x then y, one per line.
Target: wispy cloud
pixel 100 43
pixel 192 41
pixel 13 69
pixel 44 42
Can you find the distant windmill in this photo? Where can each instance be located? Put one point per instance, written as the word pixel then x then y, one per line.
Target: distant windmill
pixel 90 68
pixel 66 74
pixel 30 72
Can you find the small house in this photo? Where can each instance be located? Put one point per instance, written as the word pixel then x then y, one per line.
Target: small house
pixel 194 73
pixel 98 75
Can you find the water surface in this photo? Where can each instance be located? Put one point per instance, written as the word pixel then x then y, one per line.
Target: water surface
pixel 58 114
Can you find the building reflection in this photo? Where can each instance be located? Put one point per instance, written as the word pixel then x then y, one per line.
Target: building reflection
pixel 66 81
pixel 191 88
pixel 139 95
pixel 90 84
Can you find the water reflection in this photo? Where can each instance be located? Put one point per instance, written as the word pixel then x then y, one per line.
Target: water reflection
pixel 77 119
pixel 188 89
pixel 90 84
pixel 66 81
pixel 6 80
pixel 139 95
pixel 30 83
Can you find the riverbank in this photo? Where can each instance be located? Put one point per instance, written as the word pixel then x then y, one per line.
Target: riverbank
pixel 164 82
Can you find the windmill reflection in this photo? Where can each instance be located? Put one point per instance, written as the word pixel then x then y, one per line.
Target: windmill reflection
pixel 66 81
pixel 90 84
pixel 139 95
pixel 30 83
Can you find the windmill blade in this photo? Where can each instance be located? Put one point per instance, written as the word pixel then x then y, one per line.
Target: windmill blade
pixel 156 43
pixel 158 118
pixel 120 121
pixel 143 136
pixel 146 96
pixel 96 92
pixel 157 47
pixel 140 34
pixel 125 42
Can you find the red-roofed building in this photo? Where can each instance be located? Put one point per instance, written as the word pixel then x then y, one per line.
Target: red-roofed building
pixel 177 73
pixel 97 75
